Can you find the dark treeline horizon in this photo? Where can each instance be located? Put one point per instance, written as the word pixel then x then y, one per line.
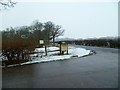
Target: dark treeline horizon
pixel 111 42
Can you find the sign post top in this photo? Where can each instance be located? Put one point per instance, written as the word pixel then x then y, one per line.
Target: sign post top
pixel 41 41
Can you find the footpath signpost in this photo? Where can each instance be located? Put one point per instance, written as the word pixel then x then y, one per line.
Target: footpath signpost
pixel 41 42
pixel 63 47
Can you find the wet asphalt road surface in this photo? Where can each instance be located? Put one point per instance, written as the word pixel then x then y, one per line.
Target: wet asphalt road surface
pixel 99 70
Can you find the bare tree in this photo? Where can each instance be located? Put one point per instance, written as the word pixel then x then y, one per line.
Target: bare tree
pixel 53 30
pixel 36 28
pixel 48 27
pixel 57 31
pixel 6 4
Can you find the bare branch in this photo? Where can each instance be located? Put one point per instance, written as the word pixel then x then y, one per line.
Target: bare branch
pixel 4 4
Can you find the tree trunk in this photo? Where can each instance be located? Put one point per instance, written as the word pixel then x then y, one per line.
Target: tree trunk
pixel 53 40
pixel 45 50
pixel 23 56
pixel 8 57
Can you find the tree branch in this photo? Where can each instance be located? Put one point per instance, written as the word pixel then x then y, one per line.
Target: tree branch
pixel 6 4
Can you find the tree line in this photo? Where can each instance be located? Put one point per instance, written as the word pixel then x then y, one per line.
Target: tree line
pixel 19 42
pixel 100 42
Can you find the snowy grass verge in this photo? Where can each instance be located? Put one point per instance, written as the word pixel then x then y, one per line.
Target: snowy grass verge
pixel 52 56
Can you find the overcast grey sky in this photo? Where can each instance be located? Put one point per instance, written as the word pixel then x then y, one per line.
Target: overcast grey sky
pixel 79 19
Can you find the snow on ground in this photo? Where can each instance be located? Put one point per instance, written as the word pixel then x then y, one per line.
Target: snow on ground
pixel 73 52
pixel 47 59
pixel 48 49
pixel 42 51
pixel 79 51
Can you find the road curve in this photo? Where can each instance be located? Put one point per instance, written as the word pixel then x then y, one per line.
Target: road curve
pixel 99 70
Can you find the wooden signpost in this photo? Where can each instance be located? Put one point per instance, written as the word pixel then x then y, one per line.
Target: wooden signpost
pixel 41 42
pixel 63 47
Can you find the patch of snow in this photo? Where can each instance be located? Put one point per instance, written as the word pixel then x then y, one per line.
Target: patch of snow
pixel 73 51
pixel 42 51
pixel 51 53
pixel 33 55
pixel 79 51
pixel 39 50
pixel 48 59
pixel 52 48
pixel 48 49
